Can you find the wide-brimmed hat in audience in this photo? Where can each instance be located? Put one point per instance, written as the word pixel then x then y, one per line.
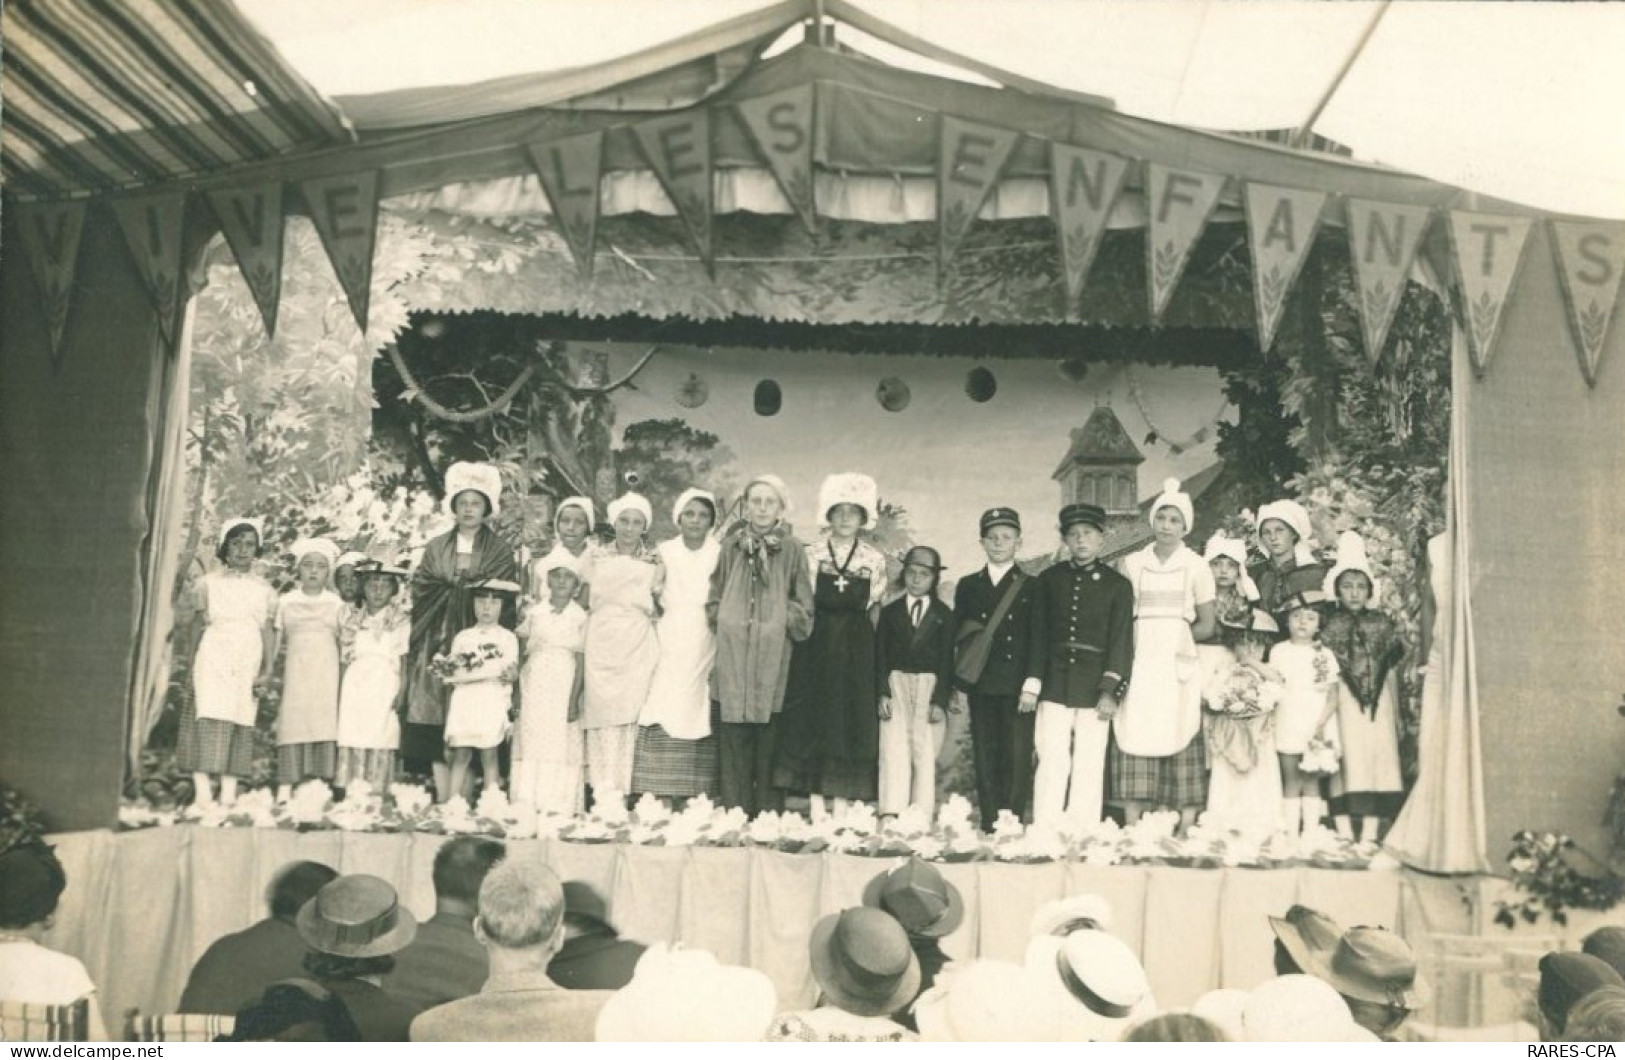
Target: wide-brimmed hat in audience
pixel 863 963
pixel 356 916
pixel 1077 913
pixel 988 1001
pixel 1304 931
pixel 1099 981
pixel 1298 1008
pixel 1565 978
pixel 683 995
pixel 1223 1009
pixel 1368 964
pixel 919 897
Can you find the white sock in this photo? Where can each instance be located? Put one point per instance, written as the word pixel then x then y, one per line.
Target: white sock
pixel 284 792
pixel 1344 825
pixel 816 808
pixel 1314 808
pixel 1369 827
pixel 202 789
pixel 228 790
pixel 1291 809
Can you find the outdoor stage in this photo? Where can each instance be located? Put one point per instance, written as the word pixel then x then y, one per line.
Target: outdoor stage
pixel 142 905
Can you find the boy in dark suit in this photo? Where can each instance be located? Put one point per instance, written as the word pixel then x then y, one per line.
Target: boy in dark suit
pixel 914 658
pixel 1001 735
pixel 1085 619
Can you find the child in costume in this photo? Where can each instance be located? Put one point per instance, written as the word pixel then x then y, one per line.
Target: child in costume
pixel 481 669
pixel 373 643
pixel 1306 721
pixel 307 621
pixel 829 732
pixel 914 654
pixel 1244 789
pixel 548 746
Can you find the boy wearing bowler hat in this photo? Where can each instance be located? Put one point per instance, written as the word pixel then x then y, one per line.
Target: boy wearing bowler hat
pixel 996 650
pixel 1084 618
pixel 914 657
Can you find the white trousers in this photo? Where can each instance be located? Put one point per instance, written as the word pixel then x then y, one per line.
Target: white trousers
pixel 908 746
pixel 1070 781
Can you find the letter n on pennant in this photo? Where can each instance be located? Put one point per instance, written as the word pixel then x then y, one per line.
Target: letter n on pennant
pixel 1590 257
pixel 1383 239
pixel 1489 250
pixel 1281 227
pixel 251 219
pixel 153 226
pixel 569 170
pixel 344 210
pixel 781 124
pixel 50 233
pixel 970 158
pixel 1083 188
pixel 1179 205
pixel 678 149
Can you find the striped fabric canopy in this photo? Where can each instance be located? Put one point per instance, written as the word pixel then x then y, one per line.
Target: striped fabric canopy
pixel 108 94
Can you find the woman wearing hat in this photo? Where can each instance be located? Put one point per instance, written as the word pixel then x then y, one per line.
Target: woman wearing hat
pixel 375 638
pixel 469 553
pixel 865 972
pixel 353 927
pixel 1157 757
pixel 233 648
pixel 1284 531
pixel 573 521
pixel 621 649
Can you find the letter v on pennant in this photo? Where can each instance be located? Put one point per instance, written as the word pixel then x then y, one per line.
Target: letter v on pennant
pixel 251 219
pixel 50 233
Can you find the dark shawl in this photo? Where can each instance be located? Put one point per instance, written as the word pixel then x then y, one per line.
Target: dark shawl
pixel 443 606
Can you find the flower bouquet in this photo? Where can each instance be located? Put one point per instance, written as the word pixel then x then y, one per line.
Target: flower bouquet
pixel 446 665
pixel 1323 755
pixel 1240 710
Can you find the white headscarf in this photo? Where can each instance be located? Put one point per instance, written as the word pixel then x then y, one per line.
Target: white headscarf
pixel 694 493
pixel 1171 497
pixel 318 545
pixel 631 502
pixel 231 524
pixel 1233 548
pixel 584 503
pixel 483 479
pixel 1292 514
pixel 776 484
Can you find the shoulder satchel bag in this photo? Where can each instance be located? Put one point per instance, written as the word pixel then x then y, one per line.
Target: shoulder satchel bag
pixel 975 649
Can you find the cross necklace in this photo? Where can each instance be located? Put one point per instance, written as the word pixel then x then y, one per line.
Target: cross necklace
pixel 841 580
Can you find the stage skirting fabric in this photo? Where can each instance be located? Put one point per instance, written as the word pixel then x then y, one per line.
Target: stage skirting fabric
pixel 141 906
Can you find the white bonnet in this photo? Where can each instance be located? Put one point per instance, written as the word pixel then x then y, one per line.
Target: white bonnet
pixel 634 502
pixel 483 479
pixel 1171 497
pixel 848 488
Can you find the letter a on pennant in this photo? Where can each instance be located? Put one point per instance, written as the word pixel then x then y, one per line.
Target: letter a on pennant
pixel 1281 227
pixel 251 219
pixel 1383 239
pixel 569 170
pixel 50 233
pixel 678 149
pixel 152 227
pixel 1179 205
pixel 1489 250
pixel 1083 188
pixel 781 124
pixel 344 210
pixel 970 158
pixel 1590 257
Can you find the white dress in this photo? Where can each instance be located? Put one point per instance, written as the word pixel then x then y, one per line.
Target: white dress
pixel 1162 712
pixel 372 680
pixel 680 693
pixel 1250 800
pixel 478 713
pixel 232 648
pixel 1308 670
pixel 309 624
pixel 547 745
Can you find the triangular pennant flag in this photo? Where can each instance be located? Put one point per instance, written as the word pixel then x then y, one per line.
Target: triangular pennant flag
pixel 1383 239
pixel 1083 188
pixel 50 233
pixel 970 158
pixel 153 226
pixel 1590 258
pixel 569 170
pixel 344 210
pixel 1281 226
pixel 1179 204
pixel 1489 250
pixel 678 147
pixel 781 124
pixel 251 219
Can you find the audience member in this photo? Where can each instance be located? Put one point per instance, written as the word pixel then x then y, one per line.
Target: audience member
pixel 1300 932
pixel 988 1001
pixel 1223 1009
pixel 1565 979
pixel 1080 912
pixel 353 927
pixel 680 995
pixel 1374 971
pixel 1176 1027
pixel 235 970
pixel 31 883
pixel 295 1010
pixel 594 956
pixel 521 926
pixel 1607 944
pixel 446 961
pixel 1598 1017
pixel 1298 1008
pixel 865 972
pixel 929 908
pixel 1096 979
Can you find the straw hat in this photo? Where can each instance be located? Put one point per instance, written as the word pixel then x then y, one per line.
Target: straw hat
pixel 863 963
pixel 919 897
pixel 1101 985
pixel 356 916
pixel 681 995
pixel 1080 912
pixel 1304 931
pixel 1368 964
pixel 1296 1008
pixel 988 1001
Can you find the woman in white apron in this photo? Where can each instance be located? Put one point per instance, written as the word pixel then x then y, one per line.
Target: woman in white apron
pixel 1157 758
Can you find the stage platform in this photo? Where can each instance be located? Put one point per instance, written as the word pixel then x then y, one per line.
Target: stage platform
pixel 142 905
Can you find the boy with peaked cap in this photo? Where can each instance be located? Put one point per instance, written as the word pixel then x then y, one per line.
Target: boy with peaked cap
pixel 993 612
pixel 1084 618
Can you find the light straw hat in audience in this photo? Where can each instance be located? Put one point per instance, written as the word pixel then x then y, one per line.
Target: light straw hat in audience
pixel 682 995
pixel 988 1001
pixel 1098 981
pixel 1297 1008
